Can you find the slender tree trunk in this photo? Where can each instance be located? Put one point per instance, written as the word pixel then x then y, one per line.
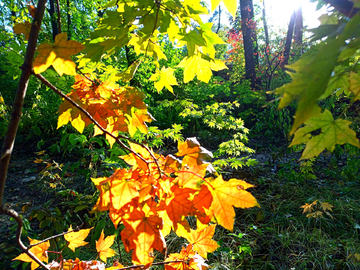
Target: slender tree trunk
pixel 53 15
pixel 250 40
pixel 219 24
pixel 298 32
pixel 266 30
pixel 68 19
pixel 289 37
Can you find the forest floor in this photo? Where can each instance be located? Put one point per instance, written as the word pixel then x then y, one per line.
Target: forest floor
pixel 276 236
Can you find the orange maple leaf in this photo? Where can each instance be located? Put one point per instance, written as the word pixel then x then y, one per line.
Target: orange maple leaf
pixel 76 239
pixel 225 196
pixel 177 205
pixel 103 246
pixel 202 240
pixel 58 55
pixel 185 260
pixel 191 177
pixel 142 233
pixel 194 154
pixel 39 251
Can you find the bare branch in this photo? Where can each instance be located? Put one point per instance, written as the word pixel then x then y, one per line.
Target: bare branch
pixel 8 145
pixel 12 213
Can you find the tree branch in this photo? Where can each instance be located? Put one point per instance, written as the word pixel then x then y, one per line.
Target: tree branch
pixel 8 145
pixel 57 91
pixel 12 213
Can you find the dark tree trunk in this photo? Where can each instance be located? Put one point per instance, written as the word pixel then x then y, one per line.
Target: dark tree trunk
pixel 289 37
pixel 298 32
pixel 53 15
pixel 68 19
pixel 250 40
pixel 219 24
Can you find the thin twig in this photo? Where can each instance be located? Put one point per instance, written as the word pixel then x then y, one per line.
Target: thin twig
pixel 60 93
pixel 12 213
pixel 54 236
pixel 158 263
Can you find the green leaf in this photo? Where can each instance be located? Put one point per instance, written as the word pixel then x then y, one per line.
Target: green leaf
pixel 128 74
pixel 355 84
pixel 310 81
pixel 193 39
pixel 332 132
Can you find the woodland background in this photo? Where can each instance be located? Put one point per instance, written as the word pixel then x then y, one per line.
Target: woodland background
pixel 310 214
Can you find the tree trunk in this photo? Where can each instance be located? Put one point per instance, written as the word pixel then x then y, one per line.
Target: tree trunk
pixel 288 40
pixel 53 15
pixel 298 33
pixel 68 19
pixel 250 40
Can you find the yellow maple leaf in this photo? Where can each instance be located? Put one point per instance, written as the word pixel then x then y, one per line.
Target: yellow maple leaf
pixel 58 55
pixel 308 207
pixel 326 206
pixel 225 196
pixel 39 251
pixel 164 78
pixel 202 240
pixel 103 246
pixel 229 4
pixel 76 239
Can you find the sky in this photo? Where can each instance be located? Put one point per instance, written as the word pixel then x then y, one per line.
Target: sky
pixel 278 12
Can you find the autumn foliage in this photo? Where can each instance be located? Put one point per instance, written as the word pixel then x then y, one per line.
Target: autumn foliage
pixel 154 194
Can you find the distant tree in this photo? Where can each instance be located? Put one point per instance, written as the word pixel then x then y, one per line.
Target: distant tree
pixel 248 28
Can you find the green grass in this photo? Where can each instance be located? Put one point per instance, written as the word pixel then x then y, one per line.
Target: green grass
pixel 280 236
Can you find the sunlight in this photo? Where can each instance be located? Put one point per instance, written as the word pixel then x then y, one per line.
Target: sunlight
pixel 279 12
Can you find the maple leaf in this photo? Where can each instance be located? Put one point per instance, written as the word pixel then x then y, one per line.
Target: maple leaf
pixel 191 177
pixel 187 260
pixel 39 251
pixel 309 207
pixel 164 78
pixel 23 28
pixel 177 205
pixel 142 233
pixel 225 196
pixel 194 154
pixel 76 239
pixel 128 74
pixel 332 132
pixel 103 246
pixel 326 206
pixel 196 65
pixel 136 121
pixel 231 5
pixel 58 55
pixel 202 240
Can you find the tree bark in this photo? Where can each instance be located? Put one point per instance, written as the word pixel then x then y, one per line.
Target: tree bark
pixel 250 40
pixel 8 145
pixel 298 33
pixel 54 23
pixel 289 37
pixel 68 19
